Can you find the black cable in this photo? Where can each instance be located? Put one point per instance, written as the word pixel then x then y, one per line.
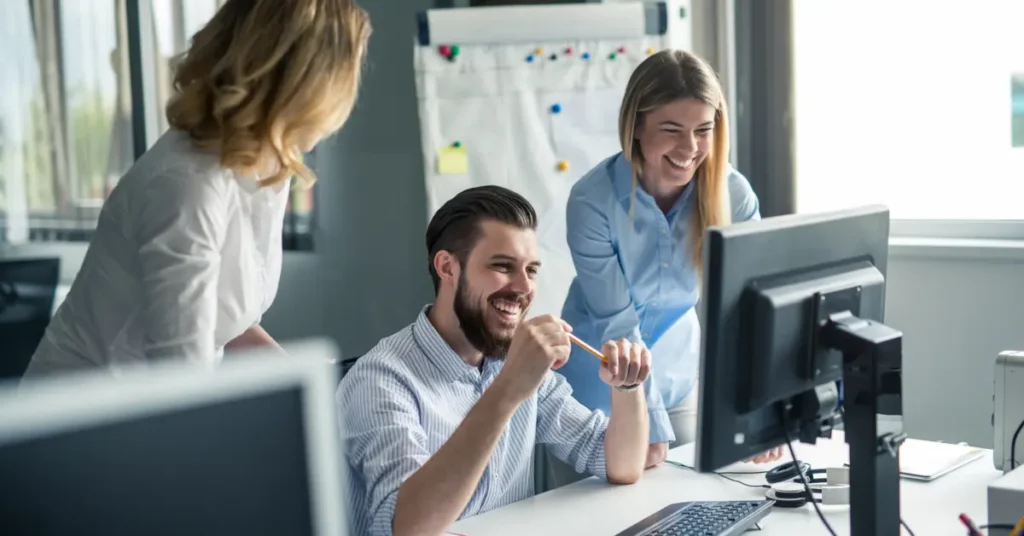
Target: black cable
pixel 725 475
pixel 807 485
pixel 1013 447
pixel 998 526
pixel 803 477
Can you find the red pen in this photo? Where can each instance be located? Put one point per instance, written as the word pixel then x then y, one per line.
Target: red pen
pixel 972 529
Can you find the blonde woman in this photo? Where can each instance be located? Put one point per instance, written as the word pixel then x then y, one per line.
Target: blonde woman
pixel 187 251
pixel 635 226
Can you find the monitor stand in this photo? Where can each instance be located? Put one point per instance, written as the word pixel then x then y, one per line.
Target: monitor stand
pixel 872 360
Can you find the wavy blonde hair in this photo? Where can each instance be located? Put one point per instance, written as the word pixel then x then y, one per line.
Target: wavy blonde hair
pixel 662 78
pixel 263 76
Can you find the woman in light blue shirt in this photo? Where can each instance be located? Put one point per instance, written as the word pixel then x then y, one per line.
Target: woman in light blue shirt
pixel 635 226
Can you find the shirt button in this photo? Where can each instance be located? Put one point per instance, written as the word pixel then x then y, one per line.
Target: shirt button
pixel 664 265
pixel 654 303
pixel 647 335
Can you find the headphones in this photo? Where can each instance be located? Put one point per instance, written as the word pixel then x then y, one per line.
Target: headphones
pixel 786 487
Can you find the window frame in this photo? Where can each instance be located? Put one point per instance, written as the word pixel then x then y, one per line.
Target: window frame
pixel 763 118
pixel 54 228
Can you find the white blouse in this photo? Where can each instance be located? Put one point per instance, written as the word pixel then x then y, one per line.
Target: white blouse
pixel 186 256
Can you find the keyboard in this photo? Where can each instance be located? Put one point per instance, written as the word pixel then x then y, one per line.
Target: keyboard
pixel 707 518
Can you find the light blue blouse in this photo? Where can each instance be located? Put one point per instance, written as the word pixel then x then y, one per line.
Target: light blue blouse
pixel 635 280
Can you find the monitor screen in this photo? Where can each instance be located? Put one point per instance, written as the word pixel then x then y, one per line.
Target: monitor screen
pixel 236 466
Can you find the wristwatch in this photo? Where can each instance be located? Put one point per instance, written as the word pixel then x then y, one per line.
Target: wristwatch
pixel 628 388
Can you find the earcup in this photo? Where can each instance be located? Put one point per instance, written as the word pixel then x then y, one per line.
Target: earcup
pixel 786 471
pixel 788 495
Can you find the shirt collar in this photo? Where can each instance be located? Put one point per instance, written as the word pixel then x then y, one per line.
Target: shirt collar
pixel 622 178
pixel 447 363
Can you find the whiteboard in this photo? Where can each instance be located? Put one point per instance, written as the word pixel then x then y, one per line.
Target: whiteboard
pixel 520 111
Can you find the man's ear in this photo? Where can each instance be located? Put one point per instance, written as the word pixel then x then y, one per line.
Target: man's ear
pixel 446 266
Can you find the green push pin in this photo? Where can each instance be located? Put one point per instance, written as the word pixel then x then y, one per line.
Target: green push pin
pixel 455 50
pixel 457 144
pixel 611 56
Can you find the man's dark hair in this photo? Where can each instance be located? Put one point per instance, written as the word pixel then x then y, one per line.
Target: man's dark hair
pixel 455 227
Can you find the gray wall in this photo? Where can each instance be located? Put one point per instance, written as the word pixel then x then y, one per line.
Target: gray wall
pixel 368 276
pixel 956 311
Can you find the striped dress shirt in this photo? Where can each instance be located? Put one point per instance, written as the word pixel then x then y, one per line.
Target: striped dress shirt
pixel 402 401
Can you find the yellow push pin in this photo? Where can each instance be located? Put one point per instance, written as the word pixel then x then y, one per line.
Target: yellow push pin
pixel 538 50
pixel 650 50
pixel 563 166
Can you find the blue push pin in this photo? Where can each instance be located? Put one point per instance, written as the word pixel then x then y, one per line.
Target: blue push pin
pixel 586 55
pixel 529 59
pixel 555 108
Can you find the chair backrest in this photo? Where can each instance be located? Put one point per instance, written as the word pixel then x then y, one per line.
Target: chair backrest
pixel 344 366
pixel 27 290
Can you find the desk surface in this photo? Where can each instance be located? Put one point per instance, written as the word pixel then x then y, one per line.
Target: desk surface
pixel 593 507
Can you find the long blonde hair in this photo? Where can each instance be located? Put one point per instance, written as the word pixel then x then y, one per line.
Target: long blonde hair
pixel 662 78
pixel 263 75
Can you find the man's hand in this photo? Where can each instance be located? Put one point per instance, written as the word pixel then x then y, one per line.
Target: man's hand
pixel 628 364
pixel 627 440
pixel 768 456
pixel 539 344
pixel 656 454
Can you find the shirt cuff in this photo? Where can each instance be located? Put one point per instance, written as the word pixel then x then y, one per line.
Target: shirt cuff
pixel 661 427
pixel 599 465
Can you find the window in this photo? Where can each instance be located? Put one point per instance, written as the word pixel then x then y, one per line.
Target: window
pixel 66 120
pixel 912 104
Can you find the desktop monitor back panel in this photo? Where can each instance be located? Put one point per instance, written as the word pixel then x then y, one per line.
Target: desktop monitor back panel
pixel 751 346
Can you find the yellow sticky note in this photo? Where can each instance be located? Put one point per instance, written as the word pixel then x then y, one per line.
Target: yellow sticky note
pixel 452 161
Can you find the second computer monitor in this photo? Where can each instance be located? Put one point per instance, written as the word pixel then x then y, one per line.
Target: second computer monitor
pixel 248 448
pixel 768 286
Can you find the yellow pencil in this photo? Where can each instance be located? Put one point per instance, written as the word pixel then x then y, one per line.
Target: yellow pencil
pixel 1019 529
pixel 587 347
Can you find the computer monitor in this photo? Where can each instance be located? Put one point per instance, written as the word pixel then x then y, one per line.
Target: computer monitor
pixel 249 447
pixel 27 288
pixel 791 306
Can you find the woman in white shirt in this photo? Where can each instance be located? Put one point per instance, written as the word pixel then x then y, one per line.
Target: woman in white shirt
pixel 187 255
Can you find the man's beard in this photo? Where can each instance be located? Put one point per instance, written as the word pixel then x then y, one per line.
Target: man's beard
pixel 474 325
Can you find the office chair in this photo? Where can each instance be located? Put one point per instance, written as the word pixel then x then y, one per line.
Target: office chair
pixel 27 290
pixel 344 366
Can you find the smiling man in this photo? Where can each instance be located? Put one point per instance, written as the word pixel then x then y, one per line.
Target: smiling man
pixel 439 421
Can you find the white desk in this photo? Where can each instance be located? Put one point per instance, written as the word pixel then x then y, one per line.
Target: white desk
pixel 592 507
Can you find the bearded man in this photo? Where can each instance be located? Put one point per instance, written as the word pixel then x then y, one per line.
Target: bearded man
pixel 439 421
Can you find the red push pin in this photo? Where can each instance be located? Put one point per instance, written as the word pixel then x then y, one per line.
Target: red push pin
pixel 445 50
pixel 622 50
pixel 568 51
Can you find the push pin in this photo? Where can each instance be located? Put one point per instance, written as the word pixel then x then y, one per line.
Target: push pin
pixel 568 51
pixel 556 108
pixel 457 144
pixel 611 56
pixel 650 50
pixel 586 55
pixel 563 166
pixel 622 50
pixel 538 51
pixel 553 57
pixel 454 51
pixel 444 50
pixel 529 58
